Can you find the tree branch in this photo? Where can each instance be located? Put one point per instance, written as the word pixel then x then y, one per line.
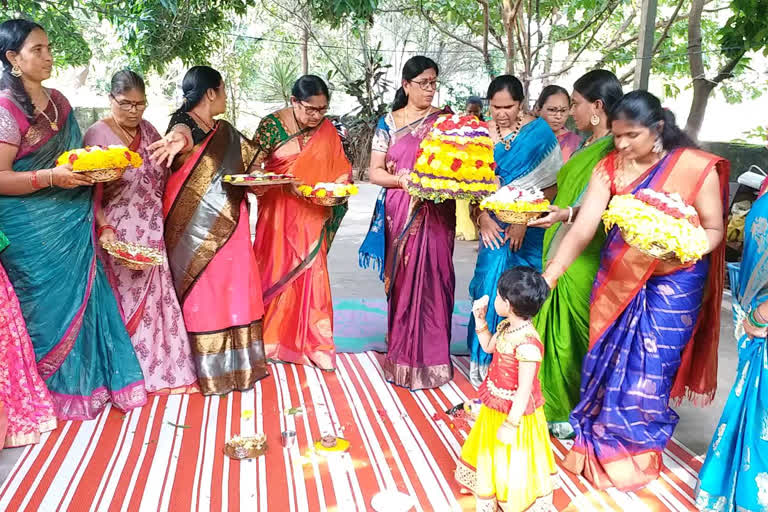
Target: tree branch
pixel 447 32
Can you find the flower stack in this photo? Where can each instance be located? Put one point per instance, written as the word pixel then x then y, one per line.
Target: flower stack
pixel 101 163
pixel 659 224
pixel 321 190
pixel 454 161
pixel 516 205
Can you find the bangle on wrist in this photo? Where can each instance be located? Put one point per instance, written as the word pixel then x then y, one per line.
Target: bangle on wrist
pixel 754 321
pixel 103 228
pixel 50 178
pixel 33 181
pixel 570 215
pixel 758 316
pixel 484 328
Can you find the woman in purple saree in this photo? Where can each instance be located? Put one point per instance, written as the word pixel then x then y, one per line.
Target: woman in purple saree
pixel 411 241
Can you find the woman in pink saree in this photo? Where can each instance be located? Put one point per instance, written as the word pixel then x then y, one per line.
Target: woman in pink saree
pixel 553 106
pixel 207 237
pixel 131 209
pixel 26 409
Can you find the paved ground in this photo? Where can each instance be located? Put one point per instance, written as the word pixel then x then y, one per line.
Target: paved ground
pixel 349 281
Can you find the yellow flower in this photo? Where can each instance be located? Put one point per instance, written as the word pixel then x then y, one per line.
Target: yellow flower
pixel 321 192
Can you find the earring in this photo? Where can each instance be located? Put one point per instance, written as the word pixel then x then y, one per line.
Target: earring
pixel 594 120
pixel 16 71
pixel 658 146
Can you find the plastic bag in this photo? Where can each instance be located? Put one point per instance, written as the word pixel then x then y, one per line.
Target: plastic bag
pixel 735 230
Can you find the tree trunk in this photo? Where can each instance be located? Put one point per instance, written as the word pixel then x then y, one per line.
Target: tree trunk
pixel 507 18
pixel 305 51
pixel 701 91
pixel 701 87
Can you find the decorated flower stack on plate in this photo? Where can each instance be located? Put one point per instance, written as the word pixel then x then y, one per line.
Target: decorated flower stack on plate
pixel 258 179
pixel 658 224
pixel 328 194
pixel 454 161
pixel 101 163
pixel 515 205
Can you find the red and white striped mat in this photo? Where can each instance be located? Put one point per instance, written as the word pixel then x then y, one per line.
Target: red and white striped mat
pixel 168 455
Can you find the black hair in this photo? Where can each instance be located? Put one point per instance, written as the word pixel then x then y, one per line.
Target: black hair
pixel 549 91
pixel 13 33
pixel 600 84
pixel 475 100
pixel 197 81
pixel 507 83
pixel 644 108
pixel 525 290
pixel 308 86
pixel 126 80
pixel 413 67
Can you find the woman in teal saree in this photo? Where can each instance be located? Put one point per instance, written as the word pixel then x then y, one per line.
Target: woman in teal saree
pixel 563 321
pixel 82 349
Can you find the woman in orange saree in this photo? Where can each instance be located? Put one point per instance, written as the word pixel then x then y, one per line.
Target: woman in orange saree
pixel 293 235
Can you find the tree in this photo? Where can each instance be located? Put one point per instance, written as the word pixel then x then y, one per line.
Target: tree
pixel 745 30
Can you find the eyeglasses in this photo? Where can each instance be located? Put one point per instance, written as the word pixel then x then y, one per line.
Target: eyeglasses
pixel 130 105
pixel 553 110
pixel 426 85
pixel 309 109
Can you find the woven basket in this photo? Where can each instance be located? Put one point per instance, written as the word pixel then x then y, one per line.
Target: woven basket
pixel 328 200
pixel 658 252
pixel 114 249
pixel 104 175
pixel 255 448
pixel 516 217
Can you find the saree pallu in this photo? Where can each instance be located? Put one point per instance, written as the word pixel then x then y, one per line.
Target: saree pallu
pixel 208 241
pixel 82 349
pixel 292 241
pixel 563 321
pixel 650 325
pixel 532 161
pixel 735 473
pixel 465 226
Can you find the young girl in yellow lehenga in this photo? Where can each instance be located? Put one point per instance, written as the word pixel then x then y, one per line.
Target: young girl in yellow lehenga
pixel 506 461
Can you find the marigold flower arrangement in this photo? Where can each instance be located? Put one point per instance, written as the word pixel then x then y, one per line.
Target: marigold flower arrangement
pixel 454 161
pixel 321 190
pixel 94 158
pixel 659 224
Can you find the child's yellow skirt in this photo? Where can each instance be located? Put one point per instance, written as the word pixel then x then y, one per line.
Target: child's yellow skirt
pixel 512 477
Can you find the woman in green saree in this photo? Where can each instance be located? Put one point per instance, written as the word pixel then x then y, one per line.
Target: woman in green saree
pixel 563 321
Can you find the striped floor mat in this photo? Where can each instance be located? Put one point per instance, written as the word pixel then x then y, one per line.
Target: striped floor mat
pixel 168 455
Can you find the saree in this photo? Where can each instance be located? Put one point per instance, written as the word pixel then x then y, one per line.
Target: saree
pixel 207 238
pixel 26 409
pixel 735 472
pixel 293 237
pixel 134 206
pixel 465 226
pixel 532 161
pixel 654 330
pixel 411 243
pixel 570 142
pixel 563 321
pixel 82 349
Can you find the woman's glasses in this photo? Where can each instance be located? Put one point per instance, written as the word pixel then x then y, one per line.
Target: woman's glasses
pixel 318 111
pixel 127 106
pixel 554 111
pixel 426 85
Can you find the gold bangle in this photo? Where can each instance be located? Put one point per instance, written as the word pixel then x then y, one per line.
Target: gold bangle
pixel 483 329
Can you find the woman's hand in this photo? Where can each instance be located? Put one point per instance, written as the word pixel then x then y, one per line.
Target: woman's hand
pixel 754 331
pixel 555 215
pixel 490 232
pixel 107 236
pixel 63 177
pixel 514 234
pixel 403 181
pixel 165 150
pixel 507 433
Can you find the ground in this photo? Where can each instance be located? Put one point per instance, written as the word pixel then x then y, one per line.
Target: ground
pixel 349 281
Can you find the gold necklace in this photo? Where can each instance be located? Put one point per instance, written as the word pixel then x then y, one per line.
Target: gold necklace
pixel 592 138
pixel 54 123
pixel 513 133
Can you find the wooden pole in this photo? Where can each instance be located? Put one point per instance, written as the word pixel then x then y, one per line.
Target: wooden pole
pixel 645 43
